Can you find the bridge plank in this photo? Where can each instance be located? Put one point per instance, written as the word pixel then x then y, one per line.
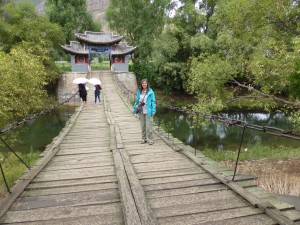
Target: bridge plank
pixel 93 163
pixel 100 155
pixel 173 179
pixel 65 199
pixel 90 219
pixel 70 189
pixel 211 216
pixel 83 145
pixel 62 212
pixel 68 183
pixel 191 198
pixel 180 184
pixel 157 167
pixel 129 207
pixel 71 174
pixel 154 158
pixel 145 211
pixel 170 173
pixel 292 214
pixel 185 190
pixel 200 208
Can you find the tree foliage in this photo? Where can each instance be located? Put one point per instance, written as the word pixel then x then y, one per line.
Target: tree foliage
pixel 256 40
pixel 27 43
pixel 140 21
pixel 23 77
pixel 72 15
pixel 241 52
pixel 183 37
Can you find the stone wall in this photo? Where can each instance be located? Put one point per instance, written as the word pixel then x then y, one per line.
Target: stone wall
pixel 66 88
pixel 128 79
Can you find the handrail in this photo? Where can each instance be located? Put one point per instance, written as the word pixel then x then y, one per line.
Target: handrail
pixel 225 120
pixel 18 124
pixel 228 121
pixel 36 115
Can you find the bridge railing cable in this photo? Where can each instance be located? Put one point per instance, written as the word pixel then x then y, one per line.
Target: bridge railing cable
pixel 23 121
pixel 221 119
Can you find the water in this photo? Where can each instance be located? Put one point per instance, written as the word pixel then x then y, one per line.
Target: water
pixel 38 133
pixel 219 136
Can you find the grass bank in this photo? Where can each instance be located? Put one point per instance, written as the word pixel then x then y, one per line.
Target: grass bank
pixel 65 66
pixel 13 168
pixel 277 169
pixel 281 176
pixel 258 151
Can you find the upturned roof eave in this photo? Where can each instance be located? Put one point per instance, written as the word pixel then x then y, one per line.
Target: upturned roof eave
pixel 117 40
pixel 69 50
pixel 124 53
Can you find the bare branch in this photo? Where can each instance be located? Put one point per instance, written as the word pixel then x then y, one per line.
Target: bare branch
pixel 276 99
pixel 243 97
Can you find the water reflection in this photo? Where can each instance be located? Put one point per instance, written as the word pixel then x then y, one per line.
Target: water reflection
pixel 219 136
pixel 38 133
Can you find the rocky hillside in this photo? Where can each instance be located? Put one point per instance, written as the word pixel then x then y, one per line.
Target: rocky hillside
pixel 96 7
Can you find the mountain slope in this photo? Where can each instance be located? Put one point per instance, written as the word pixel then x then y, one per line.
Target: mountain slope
pixel 96 7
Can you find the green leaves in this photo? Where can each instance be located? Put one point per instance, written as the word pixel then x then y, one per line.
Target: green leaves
pixel 250 56
pixel 140 21
pixel 27 42
pixel 22 77
pixel 72 16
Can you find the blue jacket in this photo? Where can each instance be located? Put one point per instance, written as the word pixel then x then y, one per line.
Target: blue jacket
pixel 151 102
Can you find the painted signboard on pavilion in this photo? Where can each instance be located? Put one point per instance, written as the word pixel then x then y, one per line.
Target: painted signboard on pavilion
pixel 99 43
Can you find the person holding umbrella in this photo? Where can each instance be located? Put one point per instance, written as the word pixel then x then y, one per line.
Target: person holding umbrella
pixel 97 93
pixel 96 82
pixel 80 81
pixel 82 93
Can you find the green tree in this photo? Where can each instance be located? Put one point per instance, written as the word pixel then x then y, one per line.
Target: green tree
pixel 23 77
pixel 27 43
pixel 254 54
pixel 72 15
pixel 139 21
pixel 183 37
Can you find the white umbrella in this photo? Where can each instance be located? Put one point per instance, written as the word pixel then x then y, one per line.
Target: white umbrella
pixel 80 80
pixel 94 81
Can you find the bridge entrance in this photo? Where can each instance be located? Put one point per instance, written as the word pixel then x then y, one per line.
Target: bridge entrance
pixel 101 43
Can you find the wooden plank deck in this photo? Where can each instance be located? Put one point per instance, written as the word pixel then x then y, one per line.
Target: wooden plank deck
pixel 97 172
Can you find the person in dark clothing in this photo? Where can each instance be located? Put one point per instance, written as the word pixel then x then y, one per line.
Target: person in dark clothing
pixel 82 93
pixel 97 93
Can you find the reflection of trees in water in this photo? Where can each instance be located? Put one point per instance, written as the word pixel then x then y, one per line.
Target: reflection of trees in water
pixel 39 132
pixel 218 136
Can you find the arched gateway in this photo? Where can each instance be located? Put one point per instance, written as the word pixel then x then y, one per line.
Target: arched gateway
pixel 99 43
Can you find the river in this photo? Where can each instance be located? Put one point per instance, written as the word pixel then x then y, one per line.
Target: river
pixel 38 133
pixel 218 136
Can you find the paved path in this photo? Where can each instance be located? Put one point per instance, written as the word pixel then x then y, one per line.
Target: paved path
pixel 99 173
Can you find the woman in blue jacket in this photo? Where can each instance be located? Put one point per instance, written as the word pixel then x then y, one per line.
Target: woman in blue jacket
pixel 146 99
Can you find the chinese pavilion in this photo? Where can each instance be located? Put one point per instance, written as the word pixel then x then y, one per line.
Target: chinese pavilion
pixel 99 43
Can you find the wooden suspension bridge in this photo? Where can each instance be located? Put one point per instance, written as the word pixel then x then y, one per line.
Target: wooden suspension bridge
pixel 97 172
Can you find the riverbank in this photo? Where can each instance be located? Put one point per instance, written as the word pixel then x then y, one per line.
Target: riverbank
pixel 275 176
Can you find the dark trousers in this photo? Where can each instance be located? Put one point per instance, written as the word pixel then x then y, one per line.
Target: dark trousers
pixel 97 96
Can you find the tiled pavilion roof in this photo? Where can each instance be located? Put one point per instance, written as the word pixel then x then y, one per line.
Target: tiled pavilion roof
pixel 99 37
pixel 122 49
pixel 76 48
